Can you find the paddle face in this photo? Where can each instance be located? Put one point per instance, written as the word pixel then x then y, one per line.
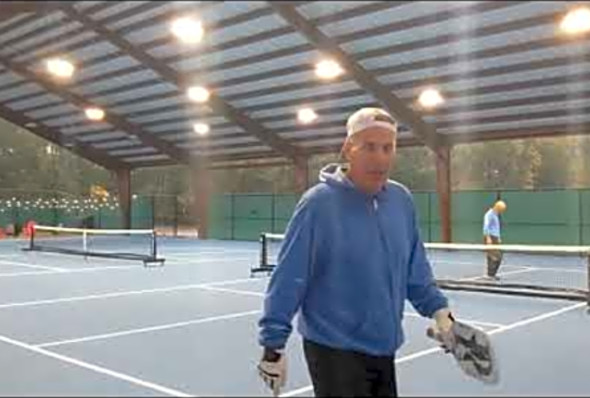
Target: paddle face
pixel 473 351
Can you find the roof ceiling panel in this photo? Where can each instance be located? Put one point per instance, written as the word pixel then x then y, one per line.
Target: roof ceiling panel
pixel 42 99
pixel 20 30
pixel 103 136
pixel 131 20
pixel 132 151
pixel 54 47
pixel 181 113
pixel 178 100
pixel 19 91
pixel 210 16
pixel 306 96
pixel 146 158
pixel 9 78
pixel 516 125
pixel 52 111
pixel 316 9
pixel 233 151
pixel 304 60
pixel 60 29
pixel 394 14
pixel 118 81
pixel 506 76
pixel 460 25
pixel 196 143
pixel 108 66
pixel 160 88
pixel 123 143
pixel 210 59
pixel 83 5
pixel 117 7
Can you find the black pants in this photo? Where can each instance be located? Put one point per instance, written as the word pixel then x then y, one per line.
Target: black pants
pixel 339 373
pixel 494 258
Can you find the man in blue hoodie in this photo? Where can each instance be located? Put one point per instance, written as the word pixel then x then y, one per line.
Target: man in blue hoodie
pixel 491 236
pixel 351 256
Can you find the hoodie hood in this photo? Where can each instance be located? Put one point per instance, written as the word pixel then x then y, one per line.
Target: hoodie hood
pixel 335 174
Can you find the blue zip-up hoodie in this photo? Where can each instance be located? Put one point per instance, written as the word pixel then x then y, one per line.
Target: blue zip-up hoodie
pixel 348 262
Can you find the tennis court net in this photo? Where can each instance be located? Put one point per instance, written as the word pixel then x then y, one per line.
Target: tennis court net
pixel 529 270
pixel 128 244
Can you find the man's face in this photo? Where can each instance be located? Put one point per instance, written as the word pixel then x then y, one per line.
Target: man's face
pixel 370 154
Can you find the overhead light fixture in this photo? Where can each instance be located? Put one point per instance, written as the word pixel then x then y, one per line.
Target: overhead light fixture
pixel 198 94
pixel 306 115
pixel 60 67
pixel 49 149
pixel 95 114
pixel 187 30
pixel 201 128
pixel 576 21
pixel 328 69
pixel 430 98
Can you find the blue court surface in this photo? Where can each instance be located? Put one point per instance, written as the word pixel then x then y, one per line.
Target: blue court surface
pixel 97 326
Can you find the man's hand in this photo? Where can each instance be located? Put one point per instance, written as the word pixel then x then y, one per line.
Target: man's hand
pixel 273 369
pixel 443 328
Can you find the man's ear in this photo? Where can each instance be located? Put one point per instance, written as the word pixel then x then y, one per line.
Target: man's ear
pixel 345 151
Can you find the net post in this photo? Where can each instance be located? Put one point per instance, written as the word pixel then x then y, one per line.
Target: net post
pixel 153 210
pixel 32 240
pixel 154 247
pixel 263 251
pixel 272 212
pixel 263 262
pixel 580 220
pixel 232 211
pixel 85 241
pixel 588 280
pixel 175 215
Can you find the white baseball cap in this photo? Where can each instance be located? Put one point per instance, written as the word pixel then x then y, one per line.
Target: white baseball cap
pixel 370 117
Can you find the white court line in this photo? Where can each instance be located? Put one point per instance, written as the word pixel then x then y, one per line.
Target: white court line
pixel 99 267
pixel 198 253
pixel 518 271
pixel 202 320
pixel 34 266
pixel 173 259
pixel 537 318
pixel 95 368
pixel 573 271
pixel 434 262
pixel 242 292
pixel 150 329
pixel 69 271
pixel 407 313
pixel 465 320
pixel 429 351
pixel 120 294
pixel 206 260
pixel 532 268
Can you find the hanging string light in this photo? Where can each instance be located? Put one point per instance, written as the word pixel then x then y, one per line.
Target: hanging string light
pixel 79 204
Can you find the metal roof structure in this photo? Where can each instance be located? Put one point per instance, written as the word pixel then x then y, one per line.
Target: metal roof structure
pixel 504 68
